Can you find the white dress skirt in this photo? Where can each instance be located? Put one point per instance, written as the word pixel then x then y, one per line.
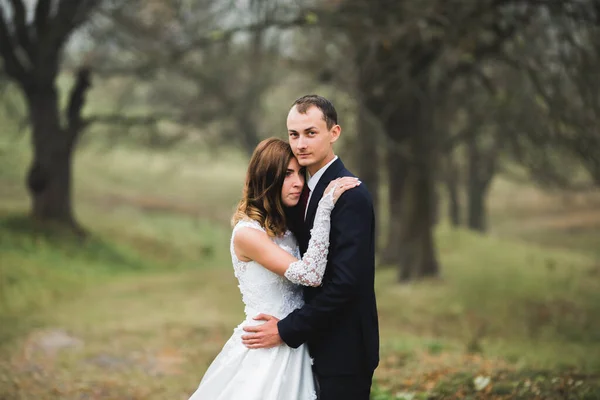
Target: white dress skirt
pixel 280 373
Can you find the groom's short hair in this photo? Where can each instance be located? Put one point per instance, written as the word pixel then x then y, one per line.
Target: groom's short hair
pixel 329 113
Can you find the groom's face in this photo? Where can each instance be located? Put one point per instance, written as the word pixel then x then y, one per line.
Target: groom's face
pixel 310 139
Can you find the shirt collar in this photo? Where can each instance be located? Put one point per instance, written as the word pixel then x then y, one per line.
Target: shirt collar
pixel 314 179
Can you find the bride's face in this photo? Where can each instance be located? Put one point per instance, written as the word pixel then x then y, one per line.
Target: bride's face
pixel 292 185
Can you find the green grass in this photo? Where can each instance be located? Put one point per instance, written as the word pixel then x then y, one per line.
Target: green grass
pixel 149 298
pixel 499 297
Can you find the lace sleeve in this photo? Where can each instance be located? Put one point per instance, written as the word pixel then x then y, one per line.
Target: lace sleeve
pixel 310 269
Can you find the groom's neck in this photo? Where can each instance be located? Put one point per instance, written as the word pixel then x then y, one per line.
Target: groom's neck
pixel 313 169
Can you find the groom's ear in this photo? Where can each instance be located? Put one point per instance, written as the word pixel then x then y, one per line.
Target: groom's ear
pixel 336 131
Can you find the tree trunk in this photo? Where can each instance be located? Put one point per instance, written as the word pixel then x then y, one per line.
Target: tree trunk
pixel 418 257
pixel 481 169
pixel 404 106
pixel 248 126
pixel 435 205
pixel 49 183
pixel 49 177
pixel 477 220
pixel 31 49
pixel 451 180
pixel 411 193
pixel 397 168
pixel 454 204
pixel 367 154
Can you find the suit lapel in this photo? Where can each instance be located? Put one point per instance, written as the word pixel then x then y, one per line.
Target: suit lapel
pixel 330 174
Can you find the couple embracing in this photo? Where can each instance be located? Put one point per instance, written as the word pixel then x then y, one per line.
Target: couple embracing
pixel 303 251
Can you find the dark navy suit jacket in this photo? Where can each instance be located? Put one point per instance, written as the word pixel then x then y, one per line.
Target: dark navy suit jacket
pixel 339 320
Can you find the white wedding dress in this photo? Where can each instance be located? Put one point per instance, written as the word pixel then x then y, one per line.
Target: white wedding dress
pixel 280 373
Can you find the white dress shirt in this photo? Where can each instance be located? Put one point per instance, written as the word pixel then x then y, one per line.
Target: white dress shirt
pixel 314 179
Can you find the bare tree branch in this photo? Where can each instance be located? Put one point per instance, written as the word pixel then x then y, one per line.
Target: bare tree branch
pixel 21 28
pixel 76 103
pixel 70 14
pixel 42 12
pixel 174 52
pixel 12 65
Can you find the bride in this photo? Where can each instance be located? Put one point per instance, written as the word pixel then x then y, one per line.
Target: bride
pixel 267 264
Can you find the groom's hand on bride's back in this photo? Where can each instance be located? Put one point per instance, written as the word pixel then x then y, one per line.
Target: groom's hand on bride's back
pixel 262 336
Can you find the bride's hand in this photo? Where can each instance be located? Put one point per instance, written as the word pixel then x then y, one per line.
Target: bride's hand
pixel 340 185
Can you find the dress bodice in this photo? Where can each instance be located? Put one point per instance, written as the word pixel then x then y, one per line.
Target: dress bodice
pixel 264 291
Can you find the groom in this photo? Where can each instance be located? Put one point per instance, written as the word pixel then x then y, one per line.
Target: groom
pixel 339 320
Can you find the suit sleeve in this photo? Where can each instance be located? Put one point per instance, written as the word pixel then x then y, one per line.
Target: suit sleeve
pixel 351 227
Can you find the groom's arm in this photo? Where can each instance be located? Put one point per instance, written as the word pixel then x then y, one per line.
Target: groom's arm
pixel 352 226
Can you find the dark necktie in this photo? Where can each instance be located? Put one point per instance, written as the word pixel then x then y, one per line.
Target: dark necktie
pixel 304 199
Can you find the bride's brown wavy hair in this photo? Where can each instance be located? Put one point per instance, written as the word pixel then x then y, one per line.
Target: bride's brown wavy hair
pixel 261 198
